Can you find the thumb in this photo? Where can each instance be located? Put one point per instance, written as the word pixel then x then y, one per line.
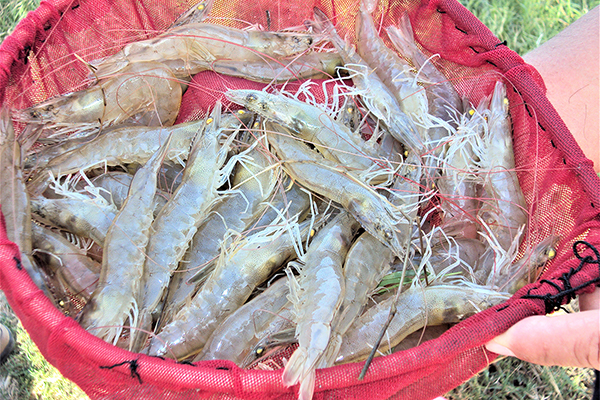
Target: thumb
pixel 571 340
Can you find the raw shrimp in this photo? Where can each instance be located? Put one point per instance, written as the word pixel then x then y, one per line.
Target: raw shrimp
pixel 336 142
pixel 443 98
pixel 40 157
pixel 179 219
pixel 240 269
pixel 82 215
pixel 126 145
pixel 144 93
pixel 70 264
pixel 317 295
pixel 514 277
pixel 191 48
pixel 459 182
pixel 376 96
pixel 253 182
pixel 505 209
pixel 289 199
pixel 367 261
pixel 314 65
pixel 14 198
pixel 417 307
pixel 376 214
pixel 236 336
pixel 456 255
pixel 116 188
pixel 118 293
pixel 393 71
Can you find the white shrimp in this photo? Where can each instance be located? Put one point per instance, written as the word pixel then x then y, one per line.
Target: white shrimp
pixel 376 214
pixel 243 267
pixel 118 293
pixel 336 142
pixel 317 295
pixel 144 93
pixel 417 307
pixel 190 204
pixel 376 96
pixel 191 48
pixel 234 338
pixel 253 182
pixel 14 197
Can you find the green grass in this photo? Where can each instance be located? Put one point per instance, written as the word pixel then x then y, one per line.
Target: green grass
pixel 524 24
pixel 527 24
pixel 26 374
pixel 11 12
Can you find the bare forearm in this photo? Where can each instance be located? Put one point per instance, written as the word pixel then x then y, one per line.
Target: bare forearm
pixel 569 64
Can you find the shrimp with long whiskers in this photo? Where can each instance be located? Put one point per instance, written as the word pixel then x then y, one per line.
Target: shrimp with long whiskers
pixel 265 314
pixel 417 307
pixel 243 266
pixel 191 48
pixel 317 295
pixel 143 93
pixel 336 142
pixel 174 227
pixel 375 95
pixel 117 295
pixel 253 182
pixel 14 197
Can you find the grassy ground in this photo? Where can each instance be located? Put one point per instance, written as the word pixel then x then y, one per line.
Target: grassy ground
pixel 525 24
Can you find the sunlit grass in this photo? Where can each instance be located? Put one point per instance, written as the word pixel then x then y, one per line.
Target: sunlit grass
pixel 526 24
pixel 11 12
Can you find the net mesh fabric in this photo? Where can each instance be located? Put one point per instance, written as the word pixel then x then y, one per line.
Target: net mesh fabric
pixel 41 59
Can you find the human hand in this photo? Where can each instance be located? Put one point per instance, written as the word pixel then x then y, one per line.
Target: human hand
pixel 570 340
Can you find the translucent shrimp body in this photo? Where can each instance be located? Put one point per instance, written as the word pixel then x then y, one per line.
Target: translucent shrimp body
pixel 71 265
pixel 305 66
pixel 317 295
pixel 417 307
pixel 191 48
pixel 375 94
pixel 367 261
pixel 118 293
pixel 443 98
pixel 144 93
pixel 14 197
pixel 84 216
pixel 514 276
pixel 505 210
pixel 234 338
pixel 253 182
pixel 375 213
pixel 238 272
pixel 458 184
pixel 178 221
pixel 336 142
pixel 126 145
pixel 116 185
pixel 393 71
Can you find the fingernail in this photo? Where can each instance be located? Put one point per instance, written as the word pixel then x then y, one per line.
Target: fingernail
pixel 499 349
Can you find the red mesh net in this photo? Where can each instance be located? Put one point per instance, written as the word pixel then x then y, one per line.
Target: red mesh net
pixel 42 59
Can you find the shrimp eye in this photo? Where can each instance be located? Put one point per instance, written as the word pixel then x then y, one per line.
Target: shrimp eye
pixel 259 350
pixel 388 235
pixel 551 253
pixel 251 97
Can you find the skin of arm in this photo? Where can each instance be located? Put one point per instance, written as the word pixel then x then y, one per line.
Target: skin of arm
pixel 569 64
pixel 570 68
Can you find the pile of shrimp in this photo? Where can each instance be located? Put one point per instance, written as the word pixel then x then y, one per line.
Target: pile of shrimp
pixel 287 221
